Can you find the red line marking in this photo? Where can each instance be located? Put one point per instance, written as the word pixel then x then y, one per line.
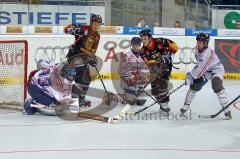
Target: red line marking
pixel 120 149
pixel 235 105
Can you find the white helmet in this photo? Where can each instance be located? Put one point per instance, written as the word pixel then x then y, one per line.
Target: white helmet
pixel 44 64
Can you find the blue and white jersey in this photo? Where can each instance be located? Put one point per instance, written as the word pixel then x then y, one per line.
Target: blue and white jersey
pixel 49 80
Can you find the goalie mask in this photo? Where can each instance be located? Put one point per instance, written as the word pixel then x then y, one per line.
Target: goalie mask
pixel 68 73
pixel 44 64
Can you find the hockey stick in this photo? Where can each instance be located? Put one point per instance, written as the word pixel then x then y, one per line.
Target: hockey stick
pixel 97 117
pixel 102 82
pixel 220 111
pixel 121 114
pixel 156 100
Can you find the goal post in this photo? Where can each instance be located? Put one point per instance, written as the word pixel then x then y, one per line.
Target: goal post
pixel 13 73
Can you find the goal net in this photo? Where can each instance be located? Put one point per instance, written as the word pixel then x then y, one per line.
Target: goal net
pixel 13 73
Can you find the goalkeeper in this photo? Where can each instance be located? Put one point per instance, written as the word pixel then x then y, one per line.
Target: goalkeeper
pixel 50 85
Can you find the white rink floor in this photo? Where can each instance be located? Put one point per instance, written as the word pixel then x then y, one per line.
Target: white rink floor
pixel 42 137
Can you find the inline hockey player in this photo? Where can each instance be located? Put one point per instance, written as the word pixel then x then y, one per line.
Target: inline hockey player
pixel 208 67
pixel 156 53
pixel 83 50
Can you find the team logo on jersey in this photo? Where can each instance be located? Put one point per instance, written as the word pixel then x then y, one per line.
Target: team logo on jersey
pixel 89 43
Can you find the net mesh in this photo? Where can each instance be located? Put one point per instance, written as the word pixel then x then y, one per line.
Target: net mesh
pixel 13 62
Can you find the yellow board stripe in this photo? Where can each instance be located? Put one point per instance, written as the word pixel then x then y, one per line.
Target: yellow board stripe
pixel 4 81
pixel 11 80
pixel 174 76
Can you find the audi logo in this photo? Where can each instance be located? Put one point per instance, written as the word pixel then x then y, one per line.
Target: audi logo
pixel 185 55
pixel 57 53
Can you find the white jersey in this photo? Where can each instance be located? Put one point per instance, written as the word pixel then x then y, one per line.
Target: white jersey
pixel 208 64
pixel 133 65
pixel 51 82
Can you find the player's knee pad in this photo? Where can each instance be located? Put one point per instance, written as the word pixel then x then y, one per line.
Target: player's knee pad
pixel 198 84
pixel 217 85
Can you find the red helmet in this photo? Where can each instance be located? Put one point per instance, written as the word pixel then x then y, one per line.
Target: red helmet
pixel 96 18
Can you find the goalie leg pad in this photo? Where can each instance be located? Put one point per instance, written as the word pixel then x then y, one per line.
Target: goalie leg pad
pixel 28 109
pixel 39 96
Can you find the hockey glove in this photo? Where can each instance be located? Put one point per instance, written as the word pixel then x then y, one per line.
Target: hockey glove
pixel 129 81
pixel 189 79
pixel 93 60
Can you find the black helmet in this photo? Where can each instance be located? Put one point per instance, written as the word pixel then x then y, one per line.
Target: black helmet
pixel 203 37
pixel 96 18
pixel 136 40
pixel 146 32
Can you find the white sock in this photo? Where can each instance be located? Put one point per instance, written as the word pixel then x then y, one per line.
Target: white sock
pixel 189 97
pixel 222 97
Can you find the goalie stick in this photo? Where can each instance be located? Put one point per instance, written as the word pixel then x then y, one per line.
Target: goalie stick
pixel 220 111
pixel 97 117
pixel 102 83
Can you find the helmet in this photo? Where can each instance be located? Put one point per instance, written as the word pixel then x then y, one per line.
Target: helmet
pixel 203 37
pixel 68 71
pixel 146 32
pixel 136 40
pixel 43 64
pixel 96 18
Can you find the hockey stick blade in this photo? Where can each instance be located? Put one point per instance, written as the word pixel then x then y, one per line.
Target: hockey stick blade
pixel 220 111
pixel 97 117
pixel 121 114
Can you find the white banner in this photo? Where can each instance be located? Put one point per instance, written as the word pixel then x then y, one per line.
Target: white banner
pixel 22 14
pixel 169 31
pixel 229 32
